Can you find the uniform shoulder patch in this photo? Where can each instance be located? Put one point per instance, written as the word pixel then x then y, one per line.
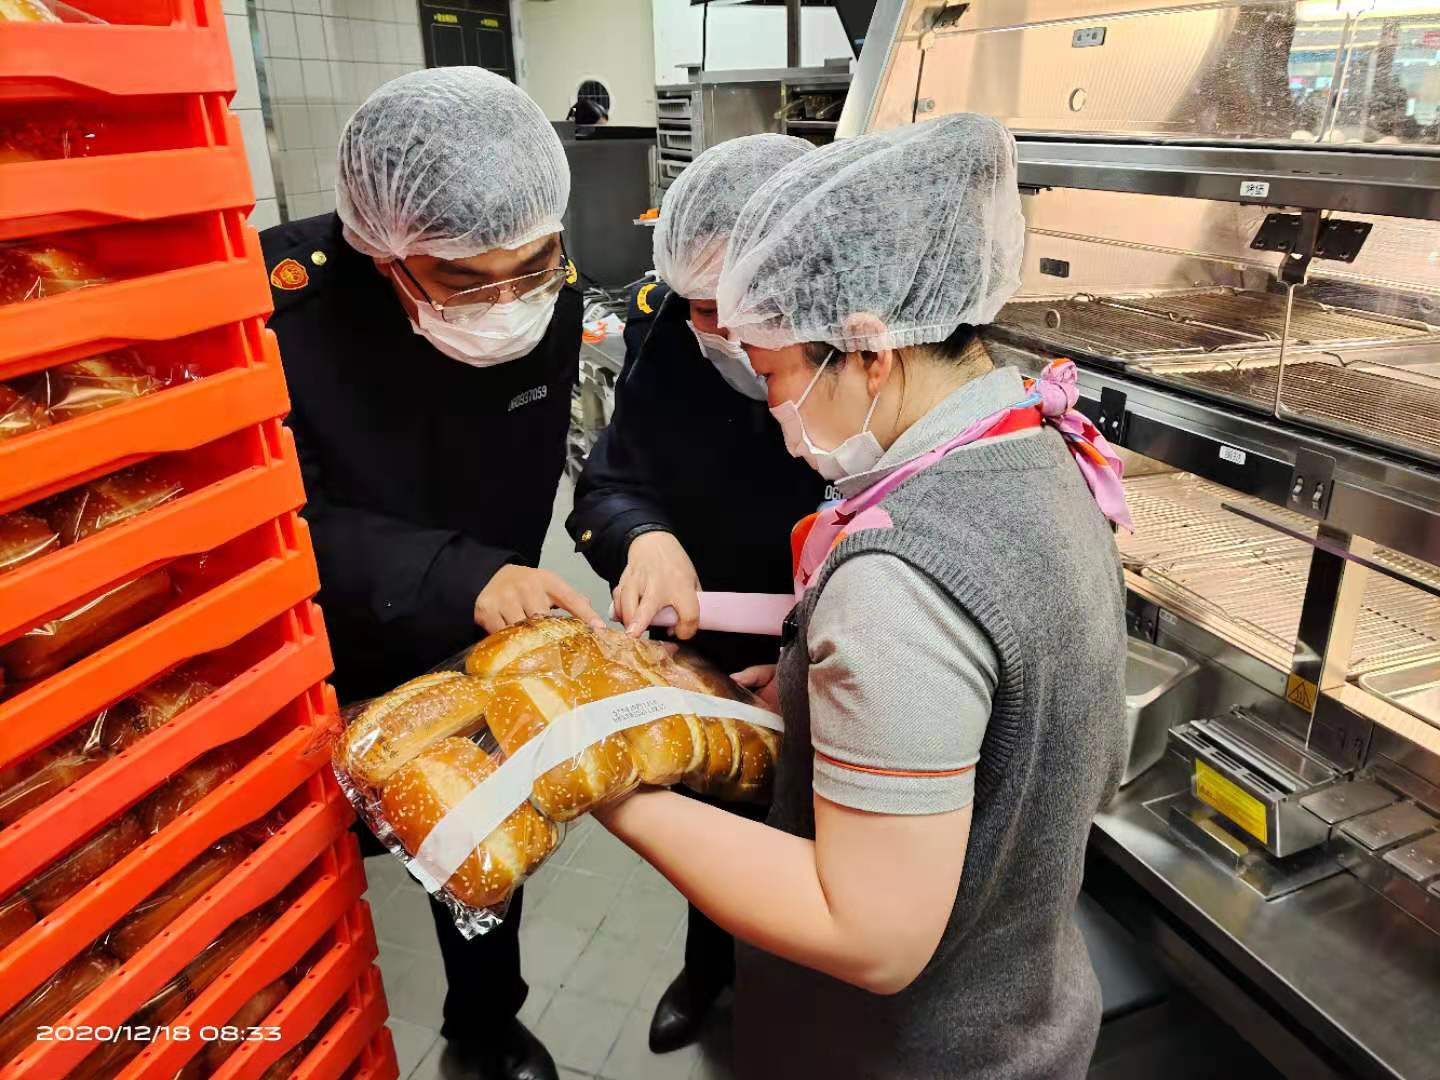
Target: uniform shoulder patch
pixel 289 275
pixel 642 298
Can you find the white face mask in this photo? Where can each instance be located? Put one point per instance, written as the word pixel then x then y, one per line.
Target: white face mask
pixel 855 455
pixel 731 361
pixel 503 333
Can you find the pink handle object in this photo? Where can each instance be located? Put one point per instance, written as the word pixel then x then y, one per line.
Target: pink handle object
pixel 737 613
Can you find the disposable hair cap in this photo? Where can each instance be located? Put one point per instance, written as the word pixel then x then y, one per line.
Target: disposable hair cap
pixel 879 242
pixel 700 208
pixel 449 162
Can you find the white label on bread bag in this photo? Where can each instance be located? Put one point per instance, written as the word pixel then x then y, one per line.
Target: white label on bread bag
pixel 482 811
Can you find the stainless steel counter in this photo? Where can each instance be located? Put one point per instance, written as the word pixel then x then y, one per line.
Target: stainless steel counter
pixel 1331 980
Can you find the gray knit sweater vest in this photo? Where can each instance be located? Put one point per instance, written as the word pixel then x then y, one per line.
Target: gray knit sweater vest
pixel 1010 532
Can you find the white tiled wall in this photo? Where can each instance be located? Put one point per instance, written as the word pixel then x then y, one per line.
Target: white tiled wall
pixel 321 59
pixel 246 105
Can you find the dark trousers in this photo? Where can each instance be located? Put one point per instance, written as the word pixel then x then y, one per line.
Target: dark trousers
pixel 482 975
pixel 710 951
pixel 484 987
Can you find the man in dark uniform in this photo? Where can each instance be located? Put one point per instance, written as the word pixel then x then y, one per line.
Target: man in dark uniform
pixel 691 486
pixel 430 339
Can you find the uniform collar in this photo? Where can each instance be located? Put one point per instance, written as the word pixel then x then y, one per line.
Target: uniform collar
pixel 963 406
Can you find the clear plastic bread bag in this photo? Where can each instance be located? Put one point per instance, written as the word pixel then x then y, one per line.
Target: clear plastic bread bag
pixel 469 773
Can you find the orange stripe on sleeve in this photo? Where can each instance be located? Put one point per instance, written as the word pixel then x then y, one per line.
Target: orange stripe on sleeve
pixel 873 771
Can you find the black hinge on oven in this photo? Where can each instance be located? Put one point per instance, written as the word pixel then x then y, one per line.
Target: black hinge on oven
pixel 1312 482
pixel 1112 416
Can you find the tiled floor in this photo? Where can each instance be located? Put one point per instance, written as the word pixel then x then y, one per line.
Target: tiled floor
pixel 601 938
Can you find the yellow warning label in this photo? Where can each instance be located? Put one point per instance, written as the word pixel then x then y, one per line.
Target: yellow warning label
pixel 443 17
pixel 1243 809
pixel 491 24
pixel 1300 692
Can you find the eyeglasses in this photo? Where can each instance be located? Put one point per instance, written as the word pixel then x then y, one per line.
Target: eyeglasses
pixel 467 304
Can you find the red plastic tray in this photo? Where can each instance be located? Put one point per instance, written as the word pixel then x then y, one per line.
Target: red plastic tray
pixel 44 197
pixel 240 383
pixel 173 277
pixel 278 573
pixel 348 1039
pixel 146 47
pixel 292 655
pixel 248 795
pixel 378 1062
pixel 320 910
pixel 232 487
pixel 341 969
pixel 336 889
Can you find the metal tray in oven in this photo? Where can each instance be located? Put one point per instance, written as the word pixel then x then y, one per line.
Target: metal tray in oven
pixel 1412 687
pixel 1262 314
pixel 1387 405
pixel 1109 333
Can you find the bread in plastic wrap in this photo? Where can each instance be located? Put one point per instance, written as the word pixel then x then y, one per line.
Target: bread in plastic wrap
pixel 51 1000
pixel 155 705
pixel 391 730
pixel 23 537
pixel 20 413
pixel 432 784
pixel 498 652
pixel 188 787
pixel 522 707
pixel 534 700
pixel 94 857
pixel 17 915
pixel 175 897
pixel 99 382
pixel 49 778
pixel 58 642
pixel 34 271
pixel 108 501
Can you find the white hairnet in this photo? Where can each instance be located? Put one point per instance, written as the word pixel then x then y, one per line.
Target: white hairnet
pixel 918 227
pixel 700 209
pixel 449 162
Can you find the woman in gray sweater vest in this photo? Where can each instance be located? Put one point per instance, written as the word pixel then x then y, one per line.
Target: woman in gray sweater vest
pixel 952 676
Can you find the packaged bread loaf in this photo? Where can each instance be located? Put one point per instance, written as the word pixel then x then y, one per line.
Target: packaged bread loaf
pixel 389 731
pixel 24 537
pixel 52 1000
pixel 523 707
pixel 174 898
pixel 34 271
pixel 501 650
pixel 188 787
pixel 17 915
pixel 48 780
pixel 98 382
pixel 108 501
pixel 467 773
pixel 246 1021
pixel 20 413
pixel 26 11
pixel 434 783
pixel 58 642
pixel 64 879
pixel 153 706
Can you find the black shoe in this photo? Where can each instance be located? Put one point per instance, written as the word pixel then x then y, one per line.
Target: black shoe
pixel 511 1053
pixel 681 1014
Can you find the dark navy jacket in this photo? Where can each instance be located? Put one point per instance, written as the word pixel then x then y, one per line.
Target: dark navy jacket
pixel 686 453
pixel 423 475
